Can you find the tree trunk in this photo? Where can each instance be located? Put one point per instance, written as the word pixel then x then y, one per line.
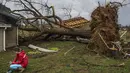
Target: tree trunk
pixel 62 31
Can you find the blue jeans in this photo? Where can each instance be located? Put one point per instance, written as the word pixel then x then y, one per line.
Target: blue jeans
pixel 14 67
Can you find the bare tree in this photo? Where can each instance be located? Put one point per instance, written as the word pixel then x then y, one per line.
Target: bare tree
pixel 67 11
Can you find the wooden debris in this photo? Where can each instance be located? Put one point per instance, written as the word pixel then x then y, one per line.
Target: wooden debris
pixel 40 49
pixel 82 40
pixel 103 40
pixel 68 51
pixel 123 34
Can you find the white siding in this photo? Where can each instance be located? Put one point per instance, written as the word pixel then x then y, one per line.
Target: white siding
pixel 11 37
pixel 1 39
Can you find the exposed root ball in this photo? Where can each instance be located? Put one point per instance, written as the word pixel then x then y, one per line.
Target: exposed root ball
pixel 104 22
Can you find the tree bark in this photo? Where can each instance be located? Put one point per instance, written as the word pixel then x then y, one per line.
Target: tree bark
pixel 62 31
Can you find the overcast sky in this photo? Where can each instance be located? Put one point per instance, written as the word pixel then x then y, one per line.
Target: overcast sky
pixel 84 8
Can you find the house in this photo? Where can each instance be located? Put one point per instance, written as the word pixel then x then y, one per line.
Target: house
pixel 75 22
pixel 8 29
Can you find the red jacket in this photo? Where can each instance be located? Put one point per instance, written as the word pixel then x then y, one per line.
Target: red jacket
pixel 21 58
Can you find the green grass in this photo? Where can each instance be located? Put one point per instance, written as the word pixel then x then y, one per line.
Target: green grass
pixel 75 61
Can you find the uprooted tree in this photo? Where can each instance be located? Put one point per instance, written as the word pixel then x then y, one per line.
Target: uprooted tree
pixel 104 27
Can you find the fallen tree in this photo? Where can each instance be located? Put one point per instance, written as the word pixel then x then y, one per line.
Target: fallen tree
pixel 62 31
pixel 36 18
pixel 59 32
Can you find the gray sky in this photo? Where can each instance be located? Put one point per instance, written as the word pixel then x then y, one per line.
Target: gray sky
pixel 84 8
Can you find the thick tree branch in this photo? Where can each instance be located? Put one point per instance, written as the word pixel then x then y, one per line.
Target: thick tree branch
pixel 46 19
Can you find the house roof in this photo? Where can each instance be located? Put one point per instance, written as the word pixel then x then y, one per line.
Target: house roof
pixel 4 8
pixel 4 25
pixel 12 19
pixel 75 22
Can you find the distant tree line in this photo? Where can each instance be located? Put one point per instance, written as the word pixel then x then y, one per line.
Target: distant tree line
pixel 126 26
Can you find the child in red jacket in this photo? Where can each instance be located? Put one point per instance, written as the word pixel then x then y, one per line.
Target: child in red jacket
pixel 20 62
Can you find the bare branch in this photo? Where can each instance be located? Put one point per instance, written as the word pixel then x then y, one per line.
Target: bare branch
pixel 33 7
pixel 26 7
pixel 30 9
pixel 67 11
pixel 19 15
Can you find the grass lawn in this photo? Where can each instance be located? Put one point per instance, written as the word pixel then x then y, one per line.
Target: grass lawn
pixel 78 60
